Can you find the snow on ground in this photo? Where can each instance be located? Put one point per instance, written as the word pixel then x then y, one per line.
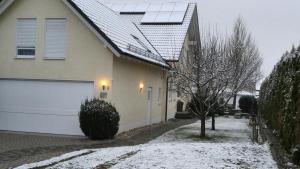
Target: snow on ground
pixel 54 159
pixel 227 147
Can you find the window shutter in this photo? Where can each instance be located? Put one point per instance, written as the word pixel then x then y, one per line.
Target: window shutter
pixel 55 38
pixel 26 36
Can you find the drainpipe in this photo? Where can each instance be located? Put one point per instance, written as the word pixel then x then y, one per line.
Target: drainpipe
pixel 166 105
pixel 169 75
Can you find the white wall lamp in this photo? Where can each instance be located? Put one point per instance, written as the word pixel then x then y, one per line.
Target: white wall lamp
pixel 141 86
pixel 104 85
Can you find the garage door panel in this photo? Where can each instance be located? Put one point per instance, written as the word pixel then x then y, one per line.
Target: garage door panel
pixel 38 123
pixel 36 110
pixel 42 106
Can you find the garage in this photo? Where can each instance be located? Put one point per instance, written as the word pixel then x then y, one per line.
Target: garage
pixel 42 106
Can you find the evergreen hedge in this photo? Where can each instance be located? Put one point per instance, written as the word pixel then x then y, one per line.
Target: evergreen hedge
pixel 279 100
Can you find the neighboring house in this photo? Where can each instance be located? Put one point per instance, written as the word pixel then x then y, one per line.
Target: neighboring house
pixel 56 53
pixel 172 28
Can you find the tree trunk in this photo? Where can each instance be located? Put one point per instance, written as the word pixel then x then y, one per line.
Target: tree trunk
pixel 202 134
pixel 234 101
pixel 213 121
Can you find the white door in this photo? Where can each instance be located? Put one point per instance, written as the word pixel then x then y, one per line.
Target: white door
pixel 149 97
pixel 42 106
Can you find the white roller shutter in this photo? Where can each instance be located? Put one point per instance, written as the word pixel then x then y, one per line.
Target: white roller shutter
pixel 26 37
pixel 55 38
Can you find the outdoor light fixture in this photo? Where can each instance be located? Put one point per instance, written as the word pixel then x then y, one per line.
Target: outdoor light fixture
pixel 141 86
pixel 104 86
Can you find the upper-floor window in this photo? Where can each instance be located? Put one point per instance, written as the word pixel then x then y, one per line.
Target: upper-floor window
pixel 55 38
pixel 26 37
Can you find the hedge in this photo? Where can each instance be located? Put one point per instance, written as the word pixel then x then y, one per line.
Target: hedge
pixel 279 100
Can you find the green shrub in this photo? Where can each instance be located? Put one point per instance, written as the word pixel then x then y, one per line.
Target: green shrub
pixel 248 104
pixel 280 97
pixel 98 119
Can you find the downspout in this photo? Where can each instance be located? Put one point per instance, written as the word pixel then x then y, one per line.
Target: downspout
pixel 166 105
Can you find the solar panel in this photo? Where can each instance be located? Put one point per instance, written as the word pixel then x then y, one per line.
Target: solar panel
pixel 176 17
pixel 180 7
pixel 163 17
pixel 172 12
pixel 149 17
pixel 154 7
pixel 167 7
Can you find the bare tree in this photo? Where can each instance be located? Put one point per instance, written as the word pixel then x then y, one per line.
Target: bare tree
pixel 245 59
pixel 202 77
pixel 217 68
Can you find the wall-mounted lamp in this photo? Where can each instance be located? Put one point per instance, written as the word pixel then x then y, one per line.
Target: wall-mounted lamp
pixel 141 86
pixel 104 86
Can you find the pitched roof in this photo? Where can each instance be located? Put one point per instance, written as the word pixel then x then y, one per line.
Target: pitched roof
pixel 167 38
pixel 124 35
pixel 121 34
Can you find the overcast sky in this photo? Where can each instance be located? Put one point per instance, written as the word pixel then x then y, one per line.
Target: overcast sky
pixel 275 24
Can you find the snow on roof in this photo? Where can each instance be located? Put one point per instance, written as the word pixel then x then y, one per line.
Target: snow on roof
pixel 124 34
pixel 168 39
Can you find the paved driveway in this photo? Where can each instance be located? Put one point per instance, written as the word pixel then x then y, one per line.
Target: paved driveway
pixel 17 148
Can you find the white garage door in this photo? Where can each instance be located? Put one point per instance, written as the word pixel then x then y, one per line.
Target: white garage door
pixel 42 106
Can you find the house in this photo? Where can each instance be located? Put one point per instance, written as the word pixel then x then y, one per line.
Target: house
pixel 173 30
pixel 56 53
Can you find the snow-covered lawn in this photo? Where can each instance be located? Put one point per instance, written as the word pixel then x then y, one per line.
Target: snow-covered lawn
pixel 227 147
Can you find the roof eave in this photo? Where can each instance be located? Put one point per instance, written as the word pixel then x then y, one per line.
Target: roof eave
pixel 4 5
pixel 91 25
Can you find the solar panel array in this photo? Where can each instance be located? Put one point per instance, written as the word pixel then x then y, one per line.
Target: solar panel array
pixel 155 13
pixel 168 39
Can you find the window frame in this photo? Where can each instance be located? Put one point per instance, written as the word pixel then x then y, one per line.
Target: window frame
pixel 17 56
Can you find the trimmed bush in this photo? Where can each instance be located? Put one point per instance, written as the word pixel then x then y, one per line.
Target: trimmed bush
pixel 98 119
pixel 248 104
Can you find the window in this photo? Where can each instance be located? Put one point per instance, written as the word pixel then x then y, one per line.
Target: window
pixel 26 37
pixel 55 38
